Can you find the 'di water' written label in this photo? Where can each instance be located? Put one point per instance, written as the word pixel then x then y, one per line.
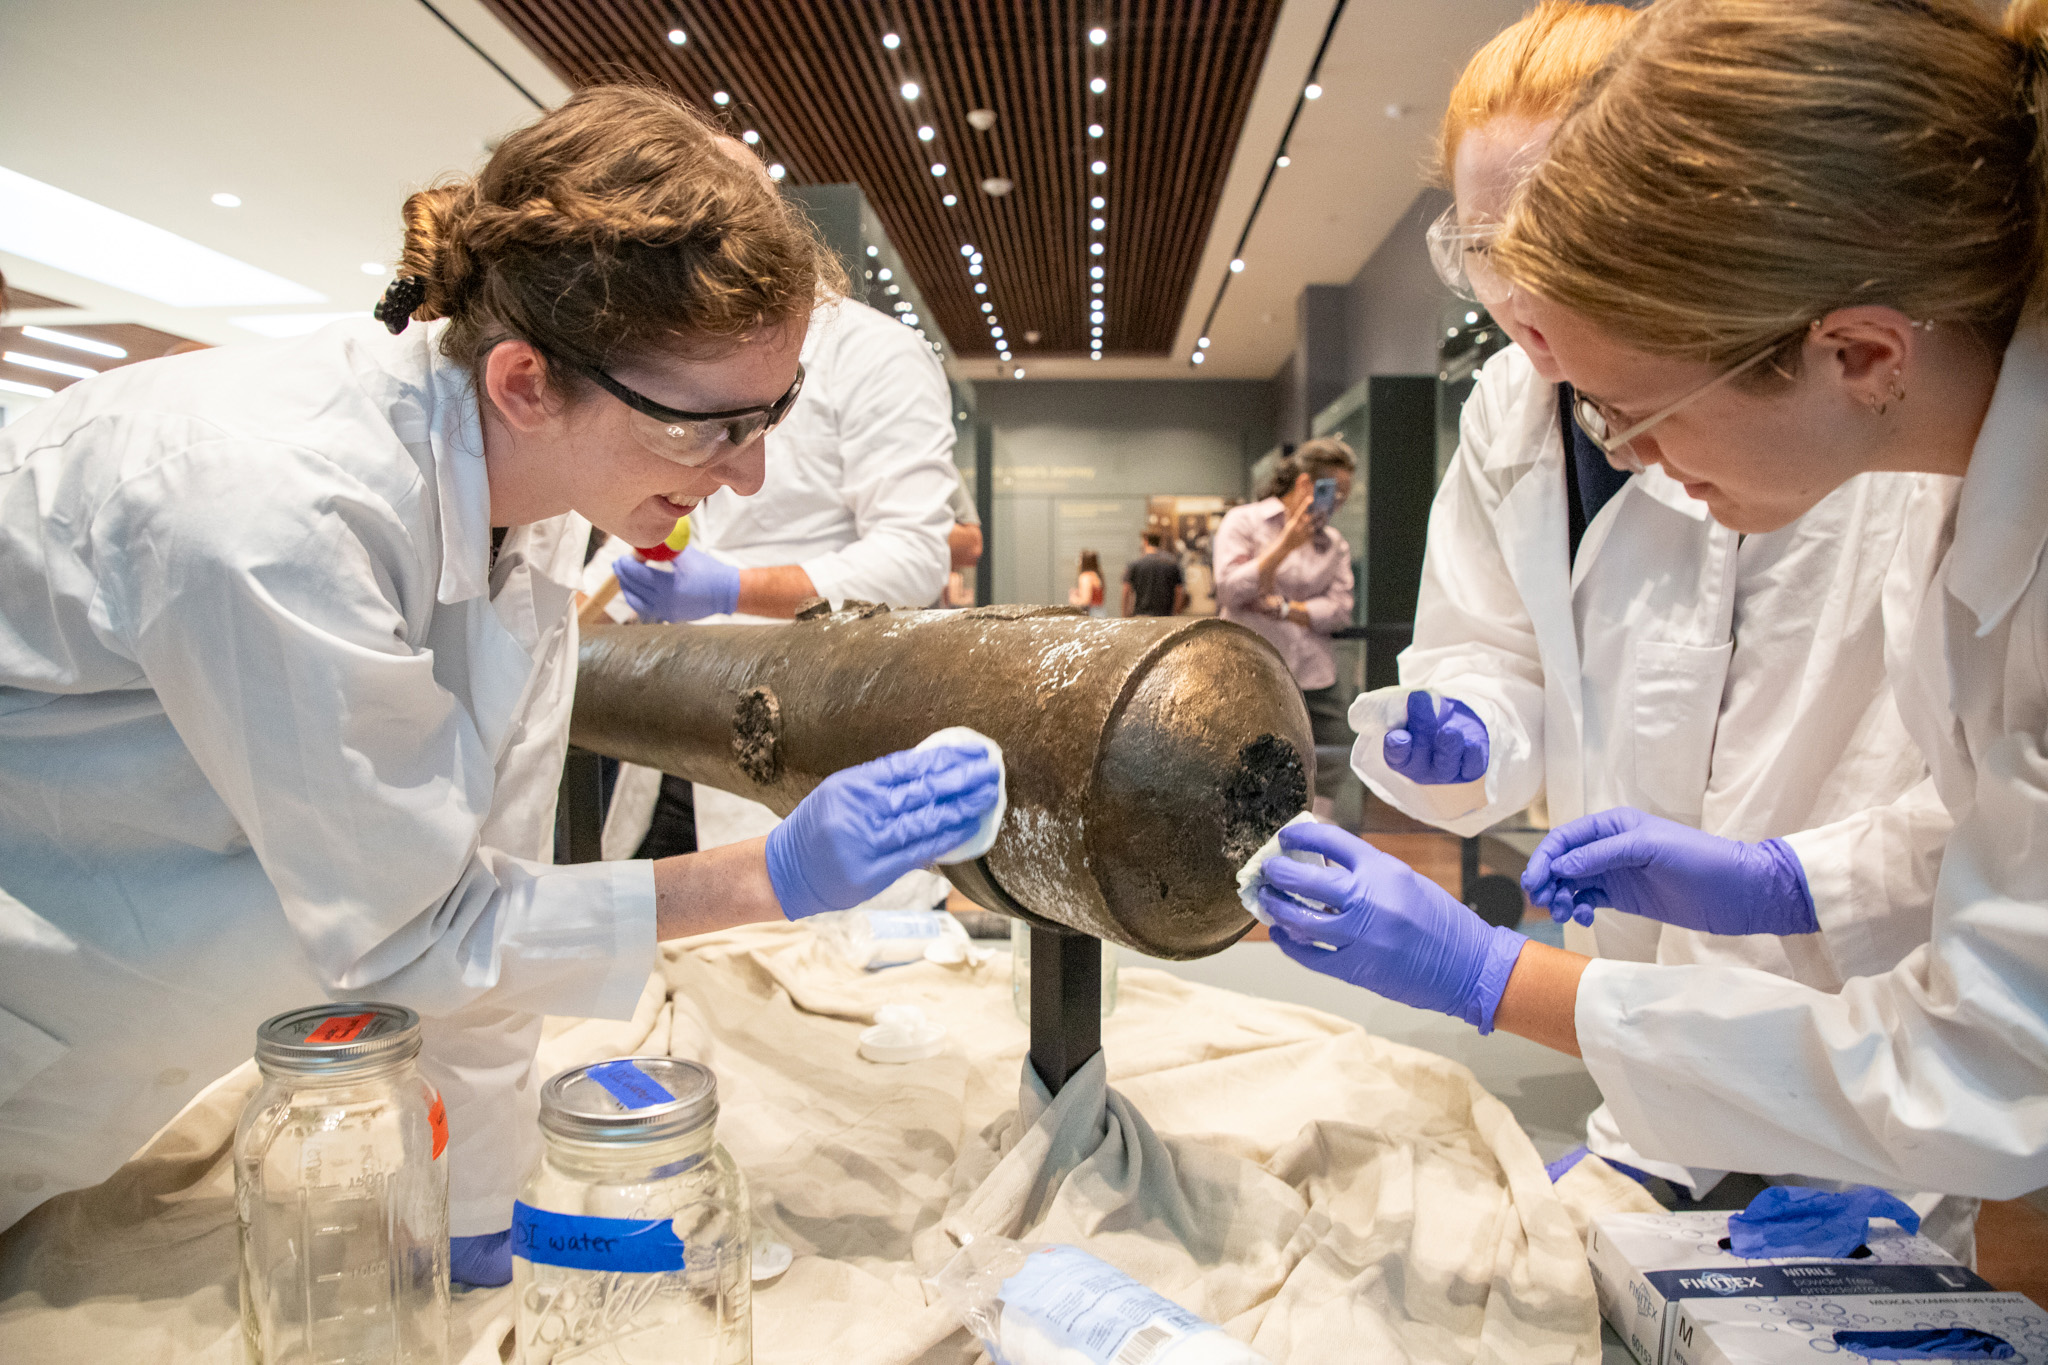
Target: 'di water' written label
pixel 646 1246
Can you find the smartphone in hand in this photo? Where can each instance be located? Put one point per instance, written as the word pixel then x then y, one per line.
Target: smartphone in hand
pixel 1325 500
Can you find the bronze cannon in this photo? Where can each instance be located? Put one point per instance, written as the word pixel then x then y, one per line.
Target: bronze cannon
pixel 1148 757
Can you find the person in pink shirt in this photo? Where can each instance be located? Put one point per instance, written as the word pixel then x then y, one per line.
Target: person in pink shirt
pixel 1283 572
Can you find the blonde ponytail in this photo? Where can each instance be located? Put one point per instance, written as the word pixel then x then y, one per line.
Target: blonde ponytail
pixel 1742 167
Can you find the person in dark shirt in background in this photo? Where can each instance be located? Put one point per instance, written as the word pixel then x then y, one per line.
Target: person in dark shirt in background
pixel 1153 585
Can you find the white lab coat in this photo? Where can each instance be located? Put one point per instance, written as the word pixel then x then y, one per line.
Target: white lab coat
pixel 1732 683
pixel 1935 1073
pixel 858 493
pixel 274 730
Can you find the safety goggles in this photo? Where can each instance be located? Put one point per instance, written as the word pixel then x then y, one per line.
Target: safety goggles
pixel 1462 255
pixel 1615 437
pixel 694 439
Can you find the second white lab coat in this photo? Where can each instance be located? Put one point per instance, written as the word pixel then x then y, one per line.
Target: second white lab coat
pixel 1732 683
pixel 275 729
pixel 1933 1074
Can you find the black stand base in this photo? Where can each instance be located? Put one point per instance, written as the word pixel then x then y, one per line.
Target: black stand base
pixel 1066 1003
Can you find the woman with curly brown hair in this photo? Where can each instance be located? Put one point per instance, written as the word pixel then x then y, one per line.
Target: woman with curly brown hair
pixel 287 650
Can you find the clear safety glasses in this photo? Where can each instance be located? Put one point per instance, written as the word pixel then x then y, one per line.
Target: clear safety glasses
pixel 1462 255
pixel 694 439
pixel 1614 435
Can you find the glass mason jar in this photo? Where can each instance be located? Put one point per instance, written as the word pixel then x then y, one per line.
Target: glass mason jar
pixel 630 1240
pixel 342 1194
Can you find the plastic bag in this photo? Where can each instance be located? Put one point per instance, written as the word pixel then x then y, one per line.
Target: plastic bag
pixel 1035 1304
pixel 890 938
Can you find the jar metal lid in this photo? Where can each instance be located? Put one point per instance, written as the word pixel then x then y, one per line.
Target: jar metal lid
pixel 337 1039
pixel 581 1106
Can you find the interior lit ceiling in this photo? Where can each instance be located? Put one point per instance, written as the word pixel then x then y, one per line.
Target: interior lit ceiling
pixel 1135 104
pixel 56 356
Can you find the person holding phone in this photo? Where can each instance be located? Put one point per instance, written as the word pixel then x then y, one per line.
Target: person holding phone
pixel 1281 571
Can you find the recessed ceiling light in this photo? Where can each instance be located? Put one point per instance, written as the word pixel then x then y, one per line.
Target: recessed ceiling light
pixel 874 251
pixel 938 168
pixel 988 308
pixel 1098 36
pixel 62 230
pixel 1098 85
pixel 885 274
pixel 373 267
pixel 720 98
pixel 996 331
pixel 1096 287
pixel 997 186
pixel 776 170
pixel 974 270
pixel 950 200
pixel 1312 91
pixel 1099 167
pixel 909 90
pixel 1203 343
pixel 750 137
pixel 1198 357
pixel 1095 248
pixel 1095 130
pixel 891 41
pixel 1471 317
pixel 967 249
pixel 1098 202
pixel 76 343
pixel 1095 273
pixel 228 201
pixel 980 288
pixel 290 324
pixel 981 120
pixel 926 133
pixel 677 37
pixel 32 390
pixel 1236 266
pixel 1283 162
pixel 36 362
pixel 1097 224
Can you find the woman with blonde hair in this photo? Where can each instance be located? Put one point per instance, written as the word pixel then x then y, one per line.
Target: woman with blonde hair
pixel 287 653
pixel 1592 638
pixel 1833 213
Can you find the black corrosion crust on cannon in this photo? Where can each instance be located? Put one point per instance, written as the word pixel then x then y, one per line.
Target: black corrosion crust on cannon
pixel 1268 788
pixel 756 730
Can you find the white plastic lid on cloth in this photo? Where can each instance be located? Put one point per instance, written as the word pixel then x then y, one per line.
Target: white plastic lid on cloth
pixel 902 1033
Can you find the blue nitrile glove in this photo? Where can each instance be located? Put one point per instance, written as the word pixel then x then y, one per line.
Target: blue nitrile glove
pixel 1662 870
pixel 1924 1343
pixel 693 584
pixel 864 827
pixel 1444 742
pixel 1394 932
pixel 484 1261
pixel 1794 1220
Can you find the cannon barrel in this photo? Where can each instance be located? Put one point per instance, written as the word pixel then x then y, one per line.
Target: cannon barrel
pixel 1147 757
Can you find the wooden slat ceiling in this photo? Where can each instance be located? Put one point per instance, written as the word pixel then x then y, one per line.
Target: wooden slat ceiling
pixel 815 80
pixel 140 342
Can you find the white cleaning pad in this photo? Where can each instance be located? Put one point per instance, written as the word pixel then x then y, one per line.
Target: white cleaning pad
pixel 961 737
pixel 1252 876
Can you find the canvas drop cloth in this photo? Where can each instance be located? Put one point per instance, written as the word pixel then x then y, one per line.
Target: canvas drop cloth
pixel 1325 1194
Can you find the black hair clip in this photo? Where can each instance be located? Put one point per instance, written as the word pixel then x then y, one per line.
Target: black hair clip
pixel 401 297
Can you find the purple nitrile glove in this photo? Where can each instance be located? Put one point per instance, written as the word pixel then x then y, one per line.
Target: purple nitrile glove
pixel 1646 865
pixel 484 1260
pixel 1444 742
pixel 691 585
pixel 864 827
pixel 1393 931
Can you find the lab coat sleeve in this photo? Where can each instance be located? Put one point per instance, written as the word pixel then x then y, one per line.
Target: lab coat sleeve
pixel 896 448
pixel 272 602
pixel 1931 1076
pixel 1236 559
pixel 1473 641
pixel 1872 877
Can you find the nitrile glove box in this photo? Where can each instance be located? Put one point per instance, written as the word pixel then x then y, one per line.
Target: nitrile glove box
pixel 1802 1327
pixel 1645 1265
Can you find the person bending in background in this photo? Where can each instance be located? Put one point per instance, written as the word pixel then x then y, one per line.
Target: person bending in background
pixel 1282 571
pixel 857 503
pixel 1153 582
pixel 1594 636
pixel 964 544
pixel 1087 589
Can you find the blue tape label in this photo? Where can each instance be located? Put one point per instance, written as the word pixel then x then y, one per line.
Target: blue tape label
pixel 629 1085
pixel 646 1246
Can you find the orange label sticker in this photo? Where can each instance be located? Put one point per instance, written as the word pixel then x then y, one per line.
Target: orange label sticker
pixel 341 1028
pixel 437 1118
